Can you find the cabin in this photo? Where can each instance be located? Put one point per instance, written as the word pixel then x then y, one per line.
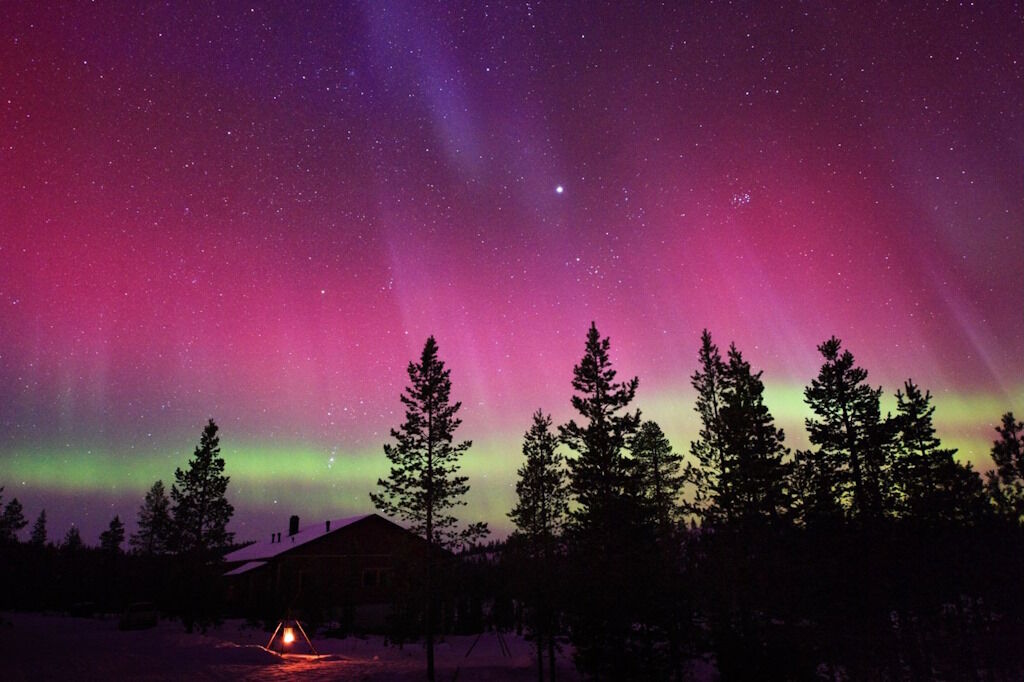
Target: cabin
pixel 352 571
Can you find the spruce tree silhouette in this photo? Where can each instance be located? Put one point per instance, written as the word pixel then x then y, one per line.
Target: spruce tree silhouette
pixel 72 540
pixel 423 485
pixel 1006 482
pixel 932 485
pixel 200 514
pixel 659 475
pixel 606 529
pixel 711 495
pixel 12 521
pixel 154 534
pixel 38 537
pixel 850 467
pixel 597 475
pixel 539 514
pixel 113 537
pixel 756 475
pixel 201 511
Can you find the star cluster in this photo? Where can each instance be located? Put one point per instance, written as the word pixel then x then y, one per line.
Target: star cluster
pixel 259 211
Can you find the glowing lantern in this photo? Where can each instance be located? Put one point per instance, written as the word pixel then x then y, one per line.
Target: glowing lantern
pixel 289 629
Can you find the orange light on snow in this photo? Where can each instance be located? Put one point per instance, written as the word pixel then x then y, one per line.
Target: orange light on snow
pixel 288 636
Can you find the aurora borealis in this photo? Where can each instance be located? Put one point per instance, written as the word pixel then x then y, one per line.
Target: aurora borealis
pixel 258 212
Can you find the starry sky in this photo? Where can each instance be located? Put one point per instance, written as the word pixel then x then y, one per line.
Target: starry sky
pixel 258 212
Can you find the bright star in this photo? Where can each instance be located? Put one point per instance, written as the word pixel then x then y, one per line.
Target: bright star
pixel 559 189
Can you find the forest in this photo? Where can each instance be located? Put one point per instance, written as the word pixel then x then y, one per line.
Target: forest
pixel 873 554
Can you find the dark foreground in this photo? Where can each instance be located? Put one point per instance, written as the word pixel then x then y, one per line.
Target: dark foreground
pixel 43 647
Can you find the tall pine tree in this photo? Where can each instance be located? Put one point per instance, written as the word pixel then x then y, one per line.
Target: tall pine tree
pixel 753 449
pixel 598 474
pixel 850 467
pixel 607 535
pixel 154 534
pixel 201 511
pixel 709 474
pixel 424 486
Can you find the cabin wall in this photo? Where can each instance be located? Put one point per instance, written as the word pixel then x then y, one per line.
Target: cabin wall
pixel 353 575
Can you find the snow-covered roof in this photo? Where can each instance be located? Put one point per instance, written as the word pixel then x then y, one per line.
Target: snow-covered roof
pixel 261 551
pixel 246 567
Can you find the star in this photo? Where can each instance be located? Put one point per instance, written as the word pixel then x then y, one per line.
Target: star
pixel 559 189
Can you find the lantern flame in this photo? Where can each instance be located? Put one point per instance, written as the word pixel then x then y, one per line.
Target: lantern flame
pixel 288 636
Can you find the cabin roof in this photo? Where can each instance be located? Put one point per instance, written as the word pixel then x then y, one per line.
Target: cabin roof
pixel 259 552
pixel 246 567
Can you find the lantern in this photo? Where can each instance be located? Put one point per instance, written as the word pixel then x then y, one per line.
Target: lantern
pixel 289 630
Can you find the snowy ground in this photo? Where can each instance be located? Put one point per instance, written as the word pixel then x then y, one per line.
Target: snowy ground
pixel 47 647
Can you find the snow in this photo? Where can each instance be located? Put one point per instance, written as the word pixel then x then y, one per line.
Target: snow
pixel 49 647
pixel 266 549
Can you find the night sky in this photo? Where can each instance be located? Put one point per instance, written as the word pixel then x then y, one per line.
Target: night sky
pixel 258 213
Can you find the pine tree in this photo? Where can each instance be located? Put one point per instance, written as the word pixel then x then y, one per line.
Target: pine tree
pixel 72 540
pixel 598 475
pixel 540 511
pixel 850 467
pixel 932 484
pixel 112 538
pixel 38 537
pixel 756 475
pixel 12 521
pixel 201 511
pixel 709 476
pixel 542 493
pixel 609 536
pixel 1006 482
pixel 423 486
pixel 659 474
pixel 154 523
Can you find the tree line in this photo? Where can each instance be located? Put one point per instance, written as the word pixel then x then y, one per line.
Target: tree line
pixel 873 553
pixel 768 562
pixel 188 526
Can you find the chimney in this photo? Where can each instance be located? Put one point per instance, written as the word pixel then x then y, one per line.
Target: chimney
pixel 293 525
pixel 327 526
pixel 271 538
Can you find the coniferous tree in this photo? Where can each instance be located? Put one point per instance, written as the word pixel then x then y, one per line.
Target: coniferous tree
pixel 201 511
pixel 12 521
pixel 598 474
pixel 154 523
pixel 708 477
pixel 849 470
pixel 756 475
pixel 38 537
pixel 659 474
pixel 543 501
pixel 607 535
pixel 932 485
pixel 1006 482
pixel 72 540
pixel 112 538
pixel 540 511
pixel 423 486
